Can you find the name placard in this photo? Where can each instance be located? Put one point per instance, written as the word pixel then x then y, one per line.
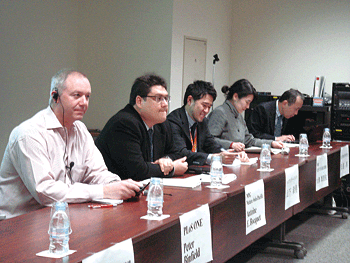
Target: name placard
pixel 344 160
pixel 321 171
pixel 255 205
pixel 196 243
pixel 122 252
pixel 292 195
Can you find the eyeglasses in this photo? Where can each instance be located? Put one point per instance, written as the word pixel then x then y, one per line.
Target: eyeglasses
pixel 159 99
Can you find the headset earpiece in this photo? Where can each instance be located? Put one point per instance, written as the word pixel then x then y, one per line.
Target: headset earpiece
pixel 55 95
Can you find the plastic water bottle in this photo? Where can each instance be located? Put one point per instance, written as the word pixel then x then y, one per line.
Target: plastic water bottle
pixel 216 171
pixel 265 157
pixel 59 228
pixel 155 198
pixel 326 140
pixel 303 144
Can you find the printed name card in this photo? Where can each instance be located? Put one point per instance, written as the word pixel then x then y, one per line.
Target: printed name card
pixel 122 252
pixel 292 196
pixel 255 205
pixel 196 235
pixel 321 172
pixel 344 161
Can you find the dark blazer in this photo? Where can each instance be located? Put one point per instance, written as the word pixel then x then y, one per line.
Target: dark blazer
pixel 262 121
pixel 205 141
pixel 125 146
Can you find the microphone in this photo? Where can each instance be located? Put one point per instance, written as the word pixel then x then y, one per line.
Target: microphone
pixel 70 166
pixel 70 171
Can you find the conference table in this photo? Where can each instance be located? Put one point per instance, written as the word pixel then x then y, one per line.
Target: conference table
pixel 95 230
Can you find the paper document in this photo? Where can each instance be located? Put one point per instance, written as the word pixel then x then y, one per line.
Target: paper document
pixel 276 151
pixel 250 162
pixel 226 179
pixel 237 162
pixel 108 201
pixel 189 182
pixel 291 145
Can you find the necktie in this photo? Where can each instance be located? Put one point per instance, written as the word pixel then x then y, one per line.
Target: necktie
pixel 193 130
pixel 150 135
pixel 278 127
pixel 194 137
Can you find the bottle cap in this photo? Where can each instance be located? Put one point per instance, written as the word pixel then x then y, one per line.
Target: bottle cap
pixel 216 158
pixel 155 180
pixel 60 206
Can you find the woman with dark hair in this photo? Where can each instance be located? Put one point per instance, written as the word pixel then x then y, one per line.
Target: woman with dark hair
pixel 226 122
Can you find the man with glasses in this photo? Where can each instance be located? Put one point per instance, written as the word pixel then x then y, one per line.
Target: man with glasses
pixel 136 142
pixel 190 127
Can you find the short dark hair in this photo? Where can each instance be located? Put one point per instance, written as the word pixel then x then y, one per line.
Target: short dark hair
pixel 142 86
pixel 291 96
pixel 199 89
pixel 242 87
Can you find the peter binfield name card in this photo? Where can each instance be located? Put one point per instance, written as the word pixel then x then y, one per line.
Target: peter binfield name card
pixel 255 205
pixel 196 243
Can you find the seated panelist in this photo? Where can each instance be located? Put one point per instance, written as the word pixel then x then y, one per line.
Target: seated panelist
pixel 137 142
pixel 226 122
pixel 190 127
pixel 52 156
pixel 269 119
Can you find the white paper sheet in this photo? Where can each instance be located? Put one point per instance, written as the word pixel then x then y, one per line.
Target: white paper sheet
pixel 344 160
pixel 255 205
pixel 321 171
pixel 196 246
pixel 292 195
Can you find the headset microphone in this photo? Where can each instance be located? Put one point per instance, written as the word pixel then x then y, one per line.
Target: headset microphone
pixel 70 166
pixel 70 171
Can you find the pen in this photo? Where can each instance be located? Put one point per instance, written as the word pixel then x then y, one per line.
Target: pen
pixel 223 150
pixel 101 206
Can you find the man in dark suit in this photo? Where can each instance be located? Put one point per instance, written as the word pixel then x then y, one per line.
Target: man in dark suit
pixel 136 142
pixel 190 127
pixel 269 120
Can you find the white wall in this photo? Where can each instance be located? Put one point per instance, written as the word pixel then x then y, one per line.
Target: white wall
pixel 118 42
pixel 282 44
pixel 210 20
pixel 112 42
pixel 276 44
pixel 37 38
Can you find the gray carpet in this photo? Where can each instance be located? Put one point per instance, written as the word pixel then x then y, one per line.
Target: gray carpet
pixel 326 238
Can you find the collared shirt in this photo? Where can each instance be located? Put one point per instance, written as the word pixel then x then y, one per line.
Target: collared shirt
pixel 190 120
pixel 34 171
pixel 190 124
pixel 277 115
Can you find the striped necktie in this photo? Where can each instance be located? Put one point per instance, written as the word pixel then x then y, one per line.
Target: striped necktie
pixel 278 128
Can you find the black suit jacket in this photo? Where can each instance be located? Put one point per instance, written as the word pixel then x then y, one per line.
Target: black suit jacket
pixel 205 141
pixel 262 121
pixel 125 146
